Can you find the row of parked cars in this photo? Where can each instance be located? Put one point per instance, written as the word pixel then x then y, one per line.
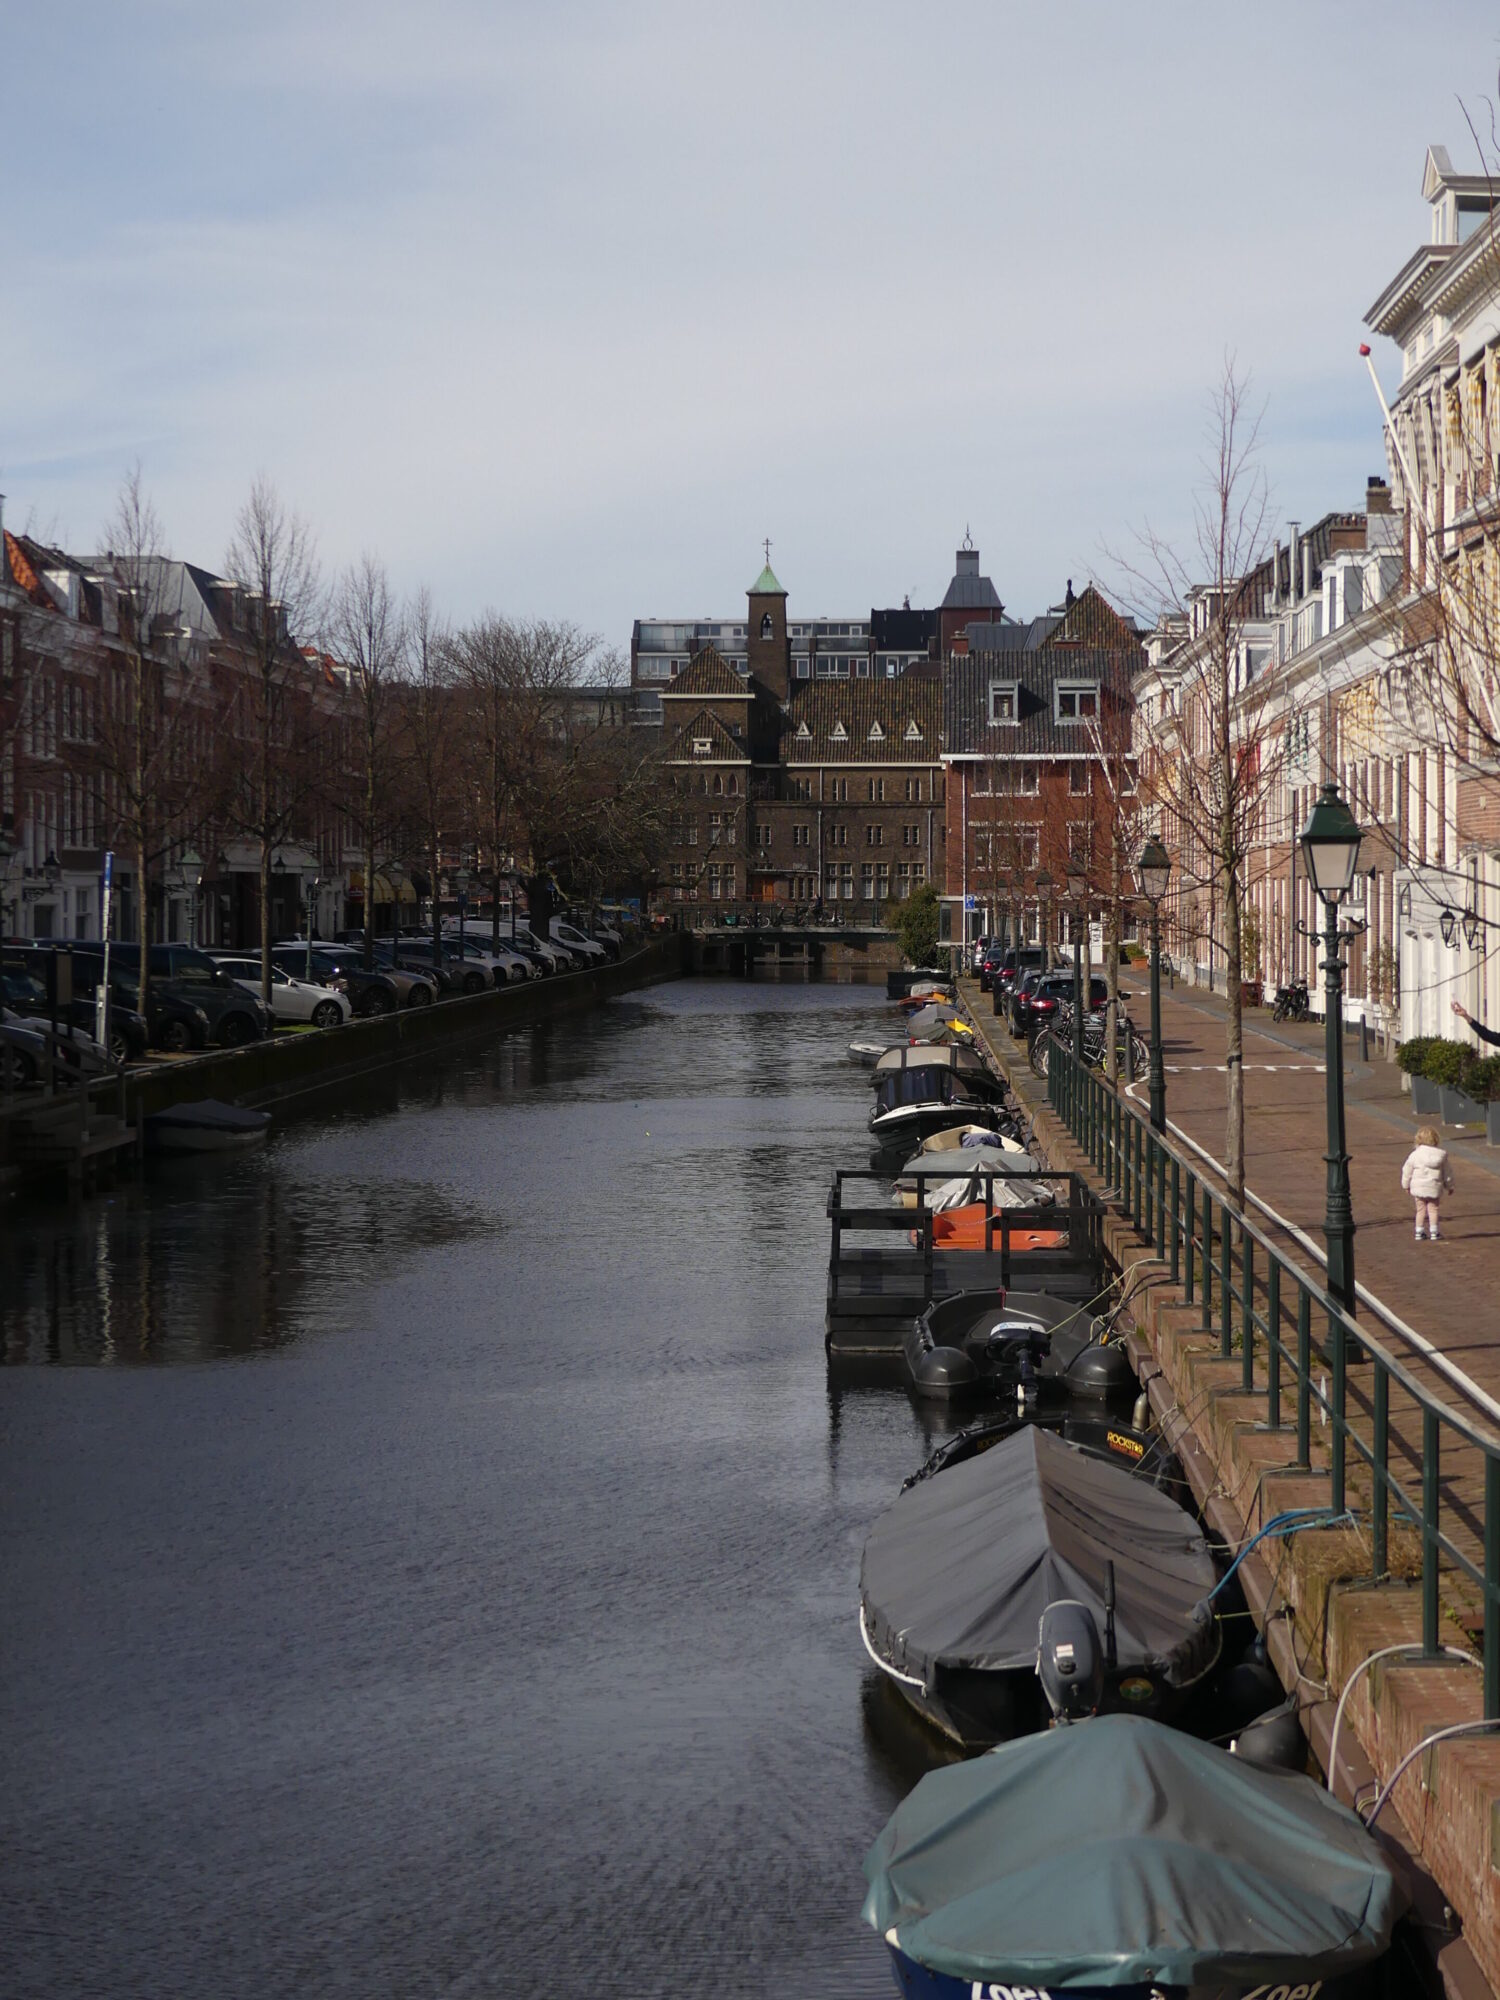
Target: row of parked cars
pixel 200 999
pixel 1030 994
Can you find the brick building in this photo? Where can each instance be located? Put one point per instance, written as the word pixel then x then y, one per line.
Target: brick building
pixel 797 788
pixel 1040 768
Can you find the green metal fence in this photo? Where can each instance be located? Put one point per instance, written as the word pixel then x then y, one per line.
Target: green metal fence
pixel 1285 1326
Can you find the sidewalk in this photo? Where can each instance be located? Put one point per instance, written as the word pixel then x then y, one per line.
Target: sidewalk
pixel 1446 1291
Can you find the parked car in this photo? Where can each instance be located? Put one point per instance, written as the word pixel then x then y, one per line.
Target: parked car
pixel 1014 960
pixel 23 990
pixel 507 965
pixel 340 966
pixel 572 939
pixel 605 934
pixel 550 952
pixel 452 971
pixel 24 1053
pixel 1053 990
pixel 189 1001
pixel 977 955
pixel 291 999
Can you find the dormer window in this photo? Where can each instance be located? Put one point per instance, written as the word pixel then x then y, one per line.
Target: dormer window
pixel 703 746
pixel 1077 701
pixel 838 733
pixel 804 734
pixel 1004 701
pixel 913 734
pixel 877 734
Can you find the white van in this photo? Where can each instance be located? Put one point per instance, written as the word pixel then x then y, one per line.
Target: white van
pixel 572 939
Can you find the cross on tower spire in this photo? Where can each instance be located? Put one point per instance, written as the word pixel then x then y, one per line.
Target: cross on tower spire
pixel 767 547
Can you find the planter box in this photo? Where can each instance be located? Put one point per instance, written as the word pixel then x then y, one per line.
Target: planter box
pixel 1461 1109
pixel 1426 1097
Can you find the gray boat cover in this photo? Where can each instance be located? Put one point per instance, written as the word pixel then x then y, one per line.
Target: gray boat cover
pixel 1118 1852
pixel 958 1572
pixel 966 1061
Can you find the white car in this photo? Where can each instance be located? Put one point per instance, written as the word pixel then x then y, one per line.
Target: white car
pixel 291 999
pixel 572 939
pixel 505 965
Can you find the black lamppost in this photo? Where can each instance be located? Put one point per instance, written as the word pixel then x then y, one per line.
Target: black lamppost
pixel 1078 885
pixel 1330 843
pixel 1155 871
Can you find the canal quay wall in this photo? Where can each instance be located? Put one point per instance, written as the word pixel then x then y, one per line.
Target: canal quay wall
pixel 1311 1593
pixel 270 1072
pixel 833 953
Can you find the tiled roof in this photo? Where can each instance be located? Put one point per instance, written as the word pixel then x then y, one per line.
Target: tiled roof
pixel 709 675
pixel 726 749
pixel 970 591
pixel 1004 636
pixel 1091 620
pixel 968 731
pixel 877 718
pixel 22 574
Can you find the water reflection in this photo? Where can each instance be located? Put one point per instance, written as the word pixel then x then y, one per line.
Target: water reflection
pixel 205 1262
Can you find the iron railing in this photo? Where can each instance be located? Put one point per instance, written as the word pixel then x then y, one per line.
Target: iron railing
pixel 1277 1315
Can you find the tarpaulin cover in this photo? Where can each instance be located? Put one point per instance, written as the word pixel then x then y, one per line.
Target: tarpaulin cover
pixel 1119 1852
pixel 958 1572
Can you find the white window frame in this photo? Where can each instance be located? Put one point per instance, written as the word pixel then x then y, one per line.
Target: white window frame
pixel 1076 688
pixel 1013 690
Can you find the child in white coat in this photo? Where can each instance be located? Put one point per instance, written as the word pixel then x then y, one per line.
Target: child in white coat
pixel 1425 1175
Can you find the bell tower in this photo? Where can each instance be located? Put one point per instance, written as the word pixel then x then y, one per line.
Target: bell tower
pixel 769 650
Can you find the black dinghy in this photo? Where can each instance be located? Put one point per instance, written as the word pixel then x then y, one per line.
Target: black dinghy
pixel 1032 1347
pixel 957 1574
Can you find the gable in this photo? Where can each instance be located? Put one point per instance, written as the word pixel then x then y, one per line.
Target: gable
pixel 708 674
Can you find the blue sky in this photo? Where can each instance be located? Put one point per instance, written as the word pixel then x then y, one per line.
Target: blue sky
pixel 560 309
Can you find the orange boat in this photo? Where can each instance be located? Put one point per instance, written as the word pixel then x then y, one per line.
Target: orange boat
pixel 963 1229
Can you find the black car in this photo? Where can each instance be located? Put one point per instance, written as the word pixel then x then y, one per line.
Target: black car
pixel 1039 1001
pixel 189 1000
pixel 1013 961
pixel 23 989
pixel 370 993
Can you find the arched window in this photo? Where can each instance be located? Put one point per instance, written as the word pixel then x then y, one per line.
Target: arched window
pixel 733 786
pixel 765 626
pixel 718 785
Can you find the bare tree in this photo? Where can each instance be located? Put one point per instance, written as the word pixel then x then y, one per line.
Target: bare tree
pixel 145 785
pixel 369 639
pixel 431 724
pixel 1212 764
pixel 273 560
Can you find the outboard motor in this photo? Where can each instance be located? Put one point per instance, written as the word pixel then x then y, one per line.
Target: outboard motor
pixel 1070 1660
pixel 1013 1351
pixel 1103 1369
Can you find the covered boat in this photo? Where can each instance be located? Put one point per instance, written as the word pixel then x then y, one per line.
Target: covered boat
pixel 1042 1351
pixel 910 1103
pixel 206 1126
pixel 956 1574
pixel 1122 1858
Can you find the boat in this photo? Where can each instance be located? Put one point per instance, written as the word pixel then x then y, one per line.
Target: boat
pixel 979 1225
pixel 1203 1878
pixel 1143 1453
pixel 957 1573
pixel 955 1137
pixel 924 1172
pixel 910 1103
pixel 1033 1348
pixel 206 1126
pixel 870 1047
pixel 963 1061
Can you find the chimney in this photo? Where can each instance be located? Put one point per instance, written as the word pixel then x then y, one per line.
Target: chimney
pixel 1307 567
pixel 4 550
pixel 1291 561
pixel 1377 496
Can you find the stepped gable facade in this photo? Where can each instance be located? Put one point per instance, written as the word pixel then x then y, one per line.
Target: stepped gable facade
pixel 1037 750
pixel 792 789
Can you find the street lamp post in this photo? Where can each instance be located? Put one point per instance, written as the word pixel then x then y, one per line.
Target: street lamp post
pixel 1078 889
pixel 1155 870
pixel 1043 886
pixel 190 862
pixel 1330 843
pixel 462 879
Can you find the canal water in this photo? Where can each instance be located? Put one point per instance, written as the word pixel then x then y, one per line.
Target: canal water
pixel 430 1544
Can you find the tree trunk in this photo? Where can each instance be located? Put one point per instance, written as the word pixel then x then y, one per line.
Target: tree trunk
pixel 437 901
pixel 142 922
pixel 1112 970
pixel 1234 1107
pixel 265 920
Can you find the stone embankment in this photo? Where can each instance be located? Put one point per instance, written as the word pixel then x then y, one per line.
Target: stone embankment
pixel 289 1066
pixel 1312 1594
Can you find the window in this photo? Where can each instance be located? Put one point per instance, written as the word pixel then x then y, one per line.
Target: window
pixel 877 734
pixel 803 669
pixel 867 881
pixel 767 629
pixel 801 836
pixel 804 734
pixel 1078 779
pixel 702 746
pixel 913 734
pixel 1004 696
pixel 838 733
pixel 838 836
pixel 911 835
pixel 874 836
pixel 838 791
pixel 877 791
pixel 762 836
pixel 1028 780
pixel 913 791
pixel 1077 701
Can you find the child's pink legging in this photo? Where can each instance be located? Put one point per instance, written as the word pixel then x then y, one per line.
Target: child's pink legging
pixel 1427 1213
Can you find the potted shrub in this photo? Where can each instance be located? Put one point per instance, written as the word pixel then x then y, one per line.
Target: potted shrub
pixel 1482 1083
pixel 1412 1058
pixel 1447 1065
